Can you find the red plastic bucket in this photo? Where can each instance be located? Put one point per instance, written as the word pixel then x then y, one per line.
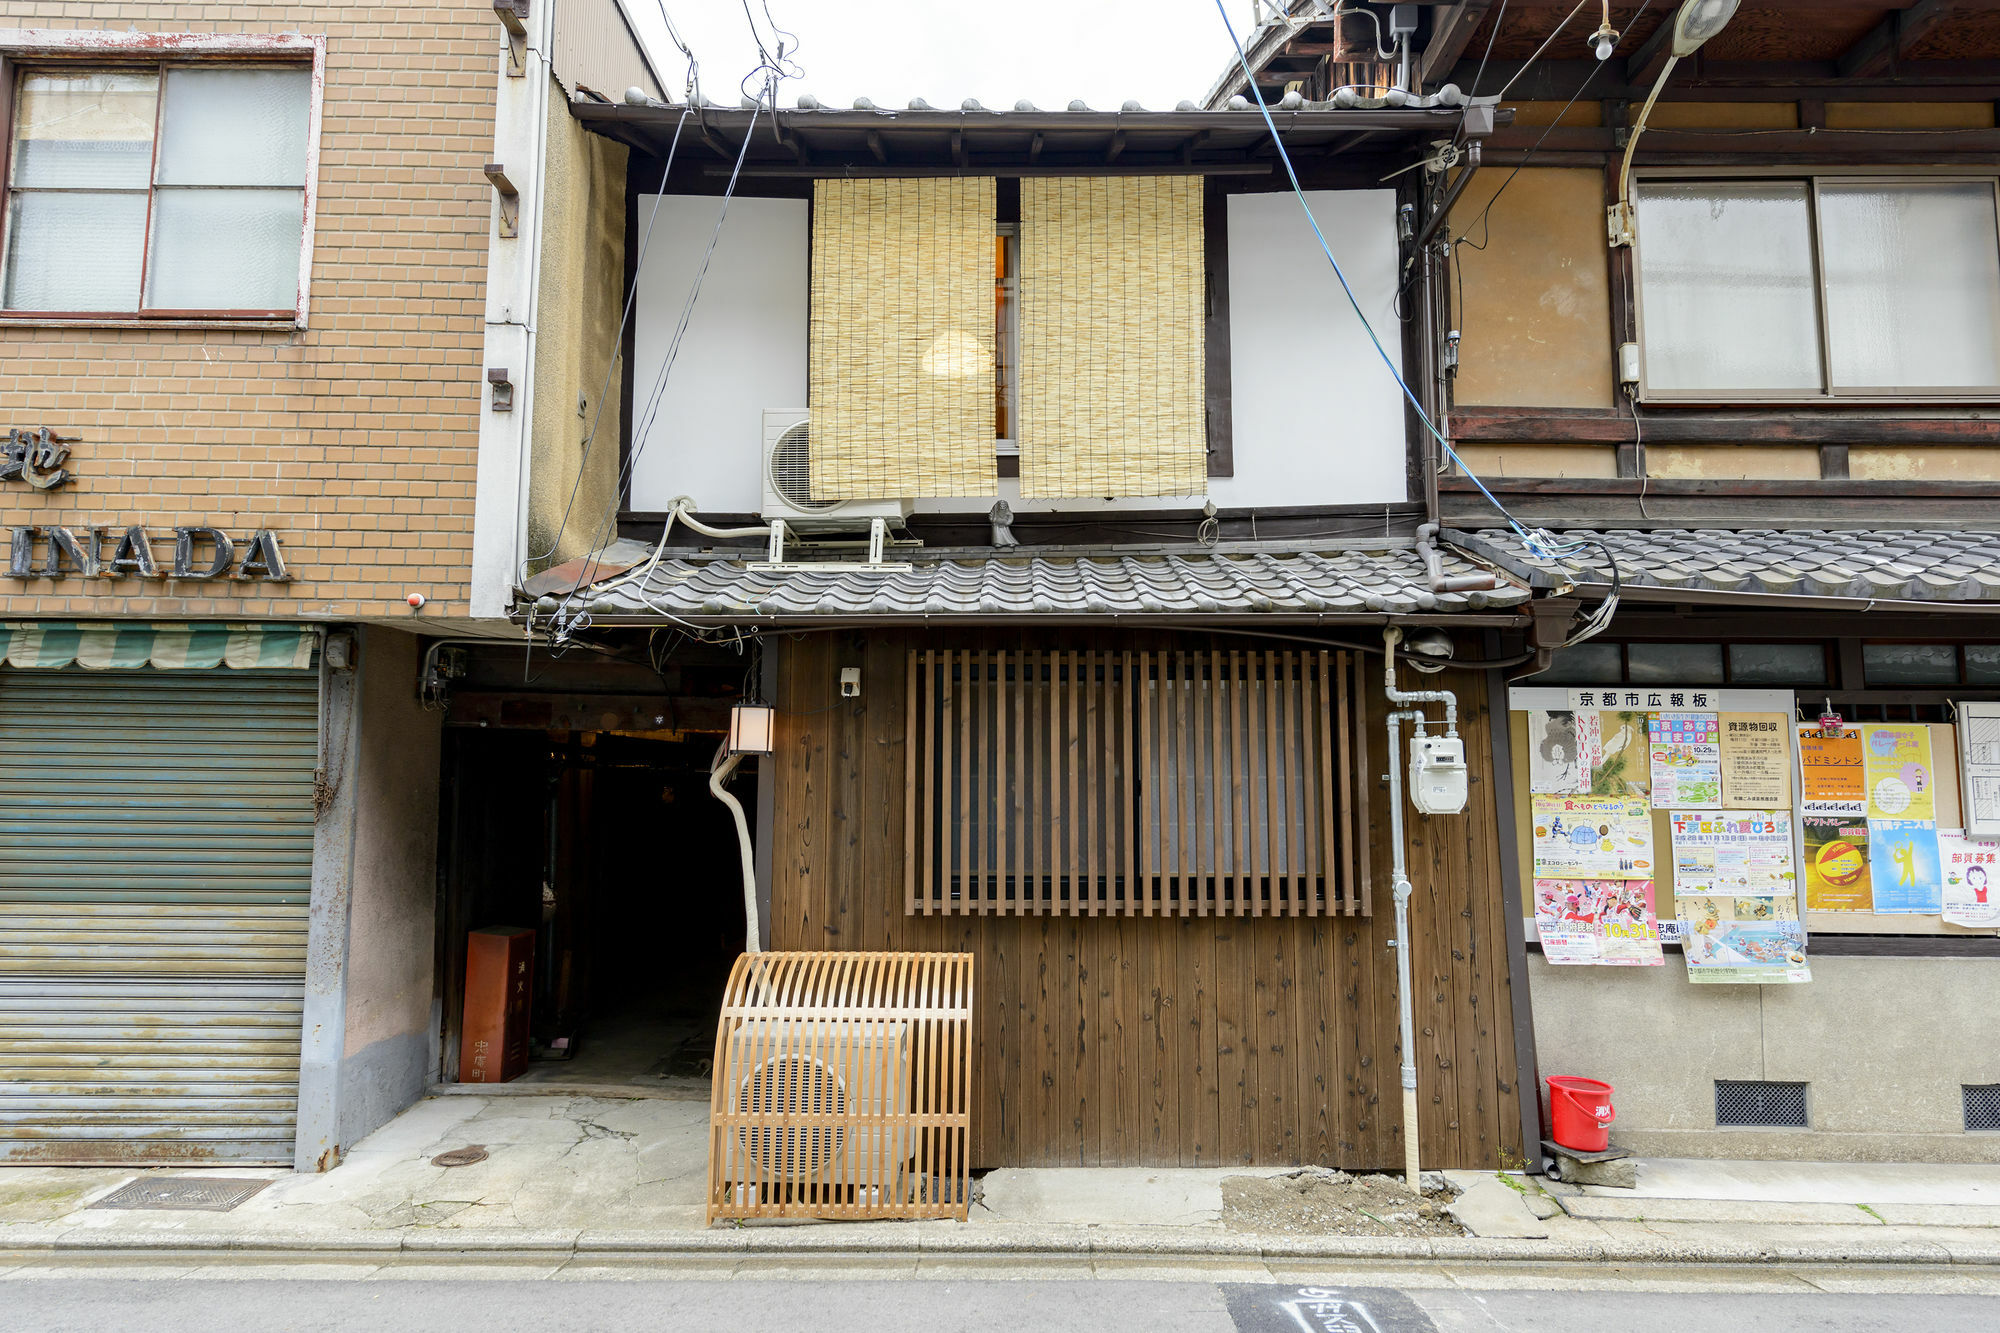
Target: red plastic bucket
pixel 1580 1113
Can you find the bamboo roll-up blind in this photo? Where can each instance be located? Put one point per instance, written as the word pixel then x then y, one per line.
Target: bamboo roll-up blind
pixel 1179 783
pixel 1112 369
pixel 901 357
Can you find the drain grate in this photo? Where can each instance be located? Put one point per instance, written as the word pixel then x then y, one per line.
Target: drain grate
pixel 1982 1105
pixel 200 1194
pixel 1761 1105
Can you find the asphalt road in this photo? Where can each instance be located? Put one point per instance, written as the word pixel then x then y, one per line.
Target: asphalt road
pixel 82 1302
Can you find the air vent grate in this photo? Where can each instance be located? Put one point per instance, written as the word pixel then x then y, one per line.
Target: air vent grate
pixel 1763 1105
pixel 791 469
pixel 1982 1105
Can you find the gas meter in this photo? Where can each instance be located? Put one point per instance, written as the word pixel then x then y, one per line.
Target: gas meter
pixel 1437 774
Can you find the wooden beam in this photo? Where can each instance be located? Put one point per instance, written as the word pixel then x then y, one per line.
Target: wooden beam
pixel 1643 66
pixel 1675 425
pixel 1451 31
pixel 1890 40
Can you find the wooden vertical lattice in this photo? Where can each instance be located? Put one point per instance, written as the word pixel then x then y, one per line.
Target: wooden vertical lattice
pixel 1137 783
pixel 843 1087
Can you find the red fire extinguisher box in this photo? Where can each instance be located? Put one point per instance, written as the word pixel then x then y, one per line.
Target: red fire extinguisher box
pixel 499 983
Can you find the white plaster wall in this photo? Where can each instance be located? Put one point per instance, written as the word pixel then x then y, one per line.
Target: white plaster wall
pixel 744 350
pixel 1318 419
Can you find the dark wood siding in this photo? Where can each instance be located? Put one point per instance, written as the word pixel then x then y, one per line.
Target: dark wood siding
pixel 1107 1041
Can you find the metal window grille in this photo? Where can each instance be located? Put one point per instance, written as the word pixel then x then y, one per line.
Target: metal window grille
pixel 1763 1105
pixel 1982 1105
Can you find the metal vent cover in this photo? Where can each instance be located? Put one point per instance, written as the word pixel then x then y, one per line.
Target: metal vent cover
pixel 791 469
pixel 1982 1106
pixel 793 1085
pixel 1761 1105
pixel 201 1194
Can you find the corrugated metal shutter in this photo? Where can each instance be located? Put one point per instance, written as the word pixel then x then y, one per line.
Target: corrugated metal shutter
pixel 156 836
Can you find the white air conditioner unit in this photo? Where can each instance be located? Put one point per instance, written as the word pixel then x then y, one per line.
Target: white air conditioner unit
pixel 852 1069
pixel 787 482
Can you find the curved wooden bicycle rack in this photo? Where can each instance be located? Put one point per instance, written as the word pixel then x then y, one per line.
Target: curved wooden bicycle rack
pixel 843 1087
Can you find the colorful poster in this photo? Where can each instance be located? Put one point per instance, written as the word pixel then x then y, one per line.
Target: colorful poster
pixel 1903 866
pixel 1896 764
pixel 1592 837
pixel 1832 778
pixel 1837 864
pixel 1756 761
pixel 1554 761
pixel 1971 870
pixel 1738 938
pixel 1600 922
pixel 1620 755
pixel 1979 747
pixel 1748 851
pixel 1686 761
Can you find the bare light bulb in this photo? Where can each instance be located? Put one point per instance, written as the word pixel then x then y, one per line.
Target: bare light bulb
pixel 1604 41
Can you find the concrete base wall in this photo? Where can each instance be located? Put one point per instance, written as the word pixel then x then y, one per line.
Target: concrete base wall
pixel 1883 1043
pixel 370 1005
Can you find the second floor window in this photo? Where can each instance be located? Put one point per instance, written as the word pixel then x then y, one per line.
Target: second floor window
pixel 175 190
pixel 1829 286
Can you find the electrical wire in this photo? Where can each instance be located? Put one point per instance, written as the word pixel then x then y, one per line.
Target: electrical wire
pixel 1553 34
pixel 693 88
pixel 1473 88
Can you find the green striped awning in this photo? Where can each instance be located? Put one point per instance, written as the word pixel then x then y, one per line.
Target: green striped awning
pixel 128 645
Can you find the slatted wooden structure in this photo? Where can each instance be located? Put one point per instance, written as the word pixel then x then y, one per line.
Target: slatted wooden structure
pixel 843 1087
pixel 1174 1041
pixel 1142 783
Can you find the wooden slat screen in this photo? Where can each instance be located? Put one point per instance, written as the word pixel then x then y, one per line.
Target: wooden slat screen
pixel 1141 783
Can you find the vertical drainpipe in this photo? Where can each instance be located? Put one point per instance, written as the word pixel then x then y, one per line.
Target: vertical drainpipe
pixel 521 113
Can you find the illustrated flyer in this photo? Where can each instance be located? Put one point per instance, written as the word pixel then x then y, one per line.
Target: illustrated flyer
pixel 1903 866
pixel 1618 751
pixel 1897 768
pixel 1598 922
pixel 1734 851
pixel 1970 867
pixel 1832 781
pixel 1555 764
pixel 1592 837
pixel 1837 864
pixel 1756 760
pixel 1737 938
pixel 1686 761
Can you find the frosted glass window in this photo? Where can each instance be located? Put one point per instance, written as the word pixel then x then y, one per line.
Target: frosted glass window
pixel 1585 664
pixel 1727 287
pixel 225 250
pixel 1982 663
pixel 1909 663
pixel 212 155
pixel 1912 284
pixel 84 131
pixel 74 251
pixel 1777 664
pixel 1674 663
pixel 234 127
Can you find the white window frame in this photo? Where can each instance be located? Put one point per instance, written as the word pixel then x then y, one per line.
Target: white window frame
pixel 41 48
pixel 1813 178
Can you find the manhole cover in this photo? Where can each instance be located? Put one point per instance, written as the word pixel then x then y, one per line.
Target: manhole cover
pixel 461 1156
pixel 193 1193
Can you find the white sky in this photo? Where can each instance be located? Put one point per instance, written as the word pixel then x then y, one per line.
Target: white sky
pixel 944 51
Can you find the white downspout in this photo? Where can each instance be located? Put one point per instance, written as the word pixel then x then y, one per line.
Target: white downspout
pixel 1406 1014
pixel 720 770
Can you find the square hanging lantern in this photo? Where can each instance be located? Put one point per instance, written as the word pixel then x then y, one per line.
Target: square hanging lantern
pixel 751 727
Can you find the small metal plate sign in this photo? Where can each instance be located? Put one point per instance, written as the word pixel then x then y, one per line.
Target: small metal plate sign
pixel 1263 1308
pixel 201 1194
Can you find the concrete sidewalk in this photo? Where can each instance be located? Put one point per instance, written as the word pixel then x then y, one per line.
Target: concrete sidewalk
pixel 575 1178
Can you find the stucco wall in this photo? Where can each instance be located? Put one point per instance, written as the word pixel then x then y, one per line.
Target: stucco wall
pixel 577 309
pixel 1885 1044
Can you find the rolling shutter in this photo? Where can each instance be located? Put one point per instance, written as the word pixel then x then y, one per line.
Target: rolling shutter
pixel 156 846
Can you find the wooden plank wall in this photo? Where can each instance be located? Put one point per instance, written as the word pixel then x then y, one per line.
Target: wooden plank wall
pixel 1114 1041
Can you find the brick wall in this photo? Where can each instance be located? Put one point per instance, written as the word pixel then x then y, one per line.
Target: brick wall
pixel 354 439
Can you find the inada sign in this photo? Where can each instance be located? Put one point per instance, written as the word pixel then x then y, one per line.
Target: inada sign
pixel 111 552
